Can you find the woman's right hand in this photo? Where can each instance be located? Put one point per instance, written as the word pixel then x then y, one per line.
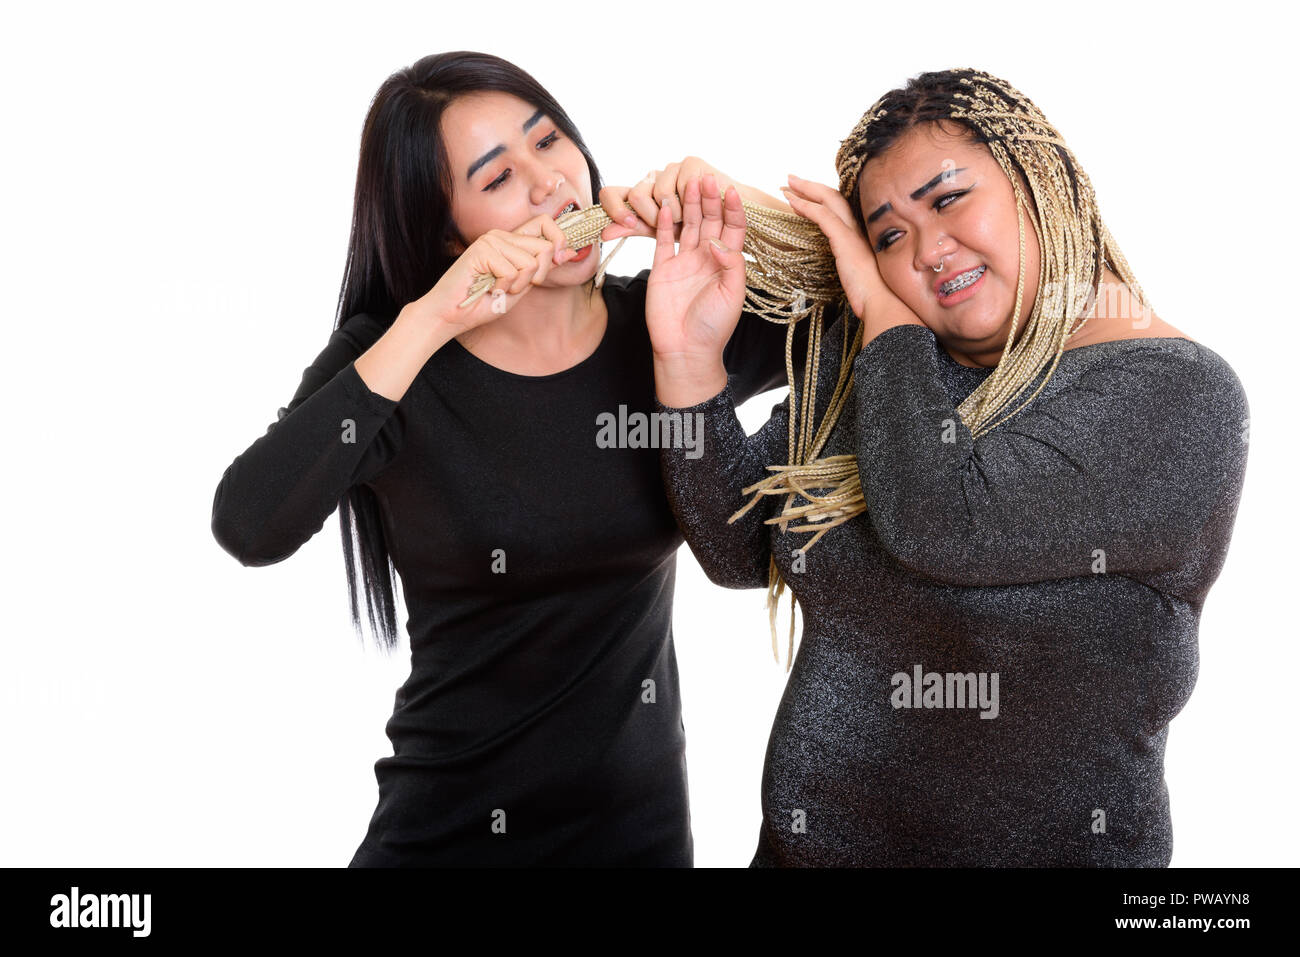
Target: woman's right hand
pixel 519 259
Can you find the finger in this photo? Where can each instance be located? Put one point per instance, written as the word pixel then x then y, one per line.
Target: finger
pixel 824 220
pixel 524 260
pixel 530 245
pixel 546 228
pixel 733 220
pixel 830 198
pixel 733 267
pixel 663 237
pixel 541 250
pixel 615 231
pixel 665 190
pixel 642 201
pixel 691 216
pixel 613 200
pixel 488 260
pixel 710 208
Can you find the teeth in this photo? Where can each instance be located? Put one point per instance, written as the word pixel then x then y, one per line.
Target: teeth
pixel 961 282
pixel 568 209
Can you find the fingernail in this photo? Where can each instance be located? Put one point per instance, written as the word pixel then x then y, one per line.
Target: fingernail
pixel 629 220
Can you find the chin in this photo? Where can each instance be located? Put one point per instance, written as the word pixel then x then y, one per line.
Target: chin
pixel 575 274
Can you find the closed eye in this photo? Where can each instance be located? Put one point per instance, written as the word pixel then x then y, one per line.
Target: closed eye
pixel 544 143
pixel 937 205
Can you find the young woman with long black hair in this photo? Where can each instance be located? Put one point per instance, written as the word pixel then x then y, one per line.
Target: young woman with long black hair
pixel 541 722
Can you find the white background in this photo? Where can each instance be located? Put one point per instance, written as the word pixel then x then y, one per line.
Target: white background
pixel 177 193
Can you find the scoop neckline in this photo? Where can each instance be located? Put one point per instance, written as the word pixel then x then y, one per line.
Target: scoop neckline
pixel 1065 352
pixel 577 366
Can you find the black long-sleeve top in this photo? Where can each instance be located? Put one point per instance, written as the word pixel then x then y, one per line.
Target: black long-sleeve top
pixel 1068 551
pixel 541 721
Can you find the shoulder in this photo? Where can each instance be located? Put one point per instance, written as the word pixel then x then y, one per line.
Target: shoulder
pixel 627 285
pixel 1163 383
pixel 625 296
pixel 1185 365
pixel 1217 380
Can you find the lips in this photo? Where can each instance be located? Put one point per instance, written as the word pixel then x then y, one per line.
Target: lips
pixel 571 203
pixel 953 274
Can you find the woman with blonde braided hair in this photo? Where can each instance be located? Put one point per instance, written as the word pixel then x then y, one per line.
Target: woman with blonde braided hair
pixel 1011 495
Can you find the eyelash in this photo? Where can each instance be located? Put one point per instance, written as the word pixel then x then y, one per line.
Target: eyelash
pixel 546 143
pixel 881 245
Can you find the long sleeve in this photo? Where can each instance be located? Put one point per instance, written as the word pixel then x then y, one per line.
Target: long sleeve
pixel 334 434
pixel 1130 467
pixel 707 490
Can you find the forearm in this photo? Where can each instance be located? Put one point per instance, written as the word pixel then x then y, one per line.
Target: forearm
pixel 277 494
pixel 757 197
pixel 390 366
pixel 883 310
pixel 1122 460
pixel 705 487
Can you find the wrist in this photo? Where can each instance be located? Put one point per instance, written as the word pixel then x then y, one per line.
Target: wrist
pixel 425 326
pixel 684 381
pixel 881 310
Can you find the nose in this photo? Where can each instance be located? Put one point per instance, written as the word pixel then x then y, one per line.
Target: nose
pixel 934 251
pixel 546 183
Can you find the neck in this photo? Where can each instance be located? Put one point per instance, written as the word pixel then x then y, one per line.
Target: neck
pixel 975 360
pixel 544 321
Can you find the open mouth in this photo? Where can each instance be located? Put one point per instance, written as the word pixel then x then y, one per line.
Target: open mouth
pixel 573 207
pixel 958 283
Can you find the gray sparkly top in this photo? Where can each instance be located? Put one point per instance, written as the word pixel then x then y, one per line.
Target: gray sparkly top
pixel 991 654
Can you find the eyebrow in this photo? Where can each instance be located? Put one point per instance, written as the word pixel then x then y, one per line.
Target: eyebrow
pixel 918 193
pixel 496 151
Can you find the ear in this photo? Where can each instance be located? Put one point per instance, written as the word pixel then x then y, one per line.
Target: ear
pixel 452 243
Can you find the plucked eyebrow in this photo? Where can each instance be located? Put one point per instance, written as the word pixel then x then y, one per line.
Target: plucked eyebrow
pixel 496 151
pixel 918 193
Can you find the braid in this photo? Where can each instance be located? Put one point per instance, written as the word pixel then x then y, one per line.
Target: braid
pixel 1062 210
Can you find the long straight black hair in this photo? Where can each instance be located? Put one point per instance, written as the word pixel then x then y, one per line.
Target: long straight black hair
pixel 399 249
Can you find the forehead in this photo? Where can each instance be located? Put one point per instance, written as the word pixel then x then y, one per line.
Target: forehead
pixel 915 157
pixel 477 121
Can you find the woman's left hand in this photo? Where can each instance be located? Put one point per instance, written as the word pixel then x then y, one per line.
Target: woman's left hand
pixel 694 297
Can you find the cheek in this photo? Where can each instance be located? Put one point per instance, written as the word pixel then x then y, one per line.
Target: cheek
pixel 475 214
pixel 578 173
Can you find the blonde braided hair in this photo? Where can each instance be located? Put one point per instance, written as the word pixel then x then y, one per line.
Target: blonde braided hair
pixel 1071 235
